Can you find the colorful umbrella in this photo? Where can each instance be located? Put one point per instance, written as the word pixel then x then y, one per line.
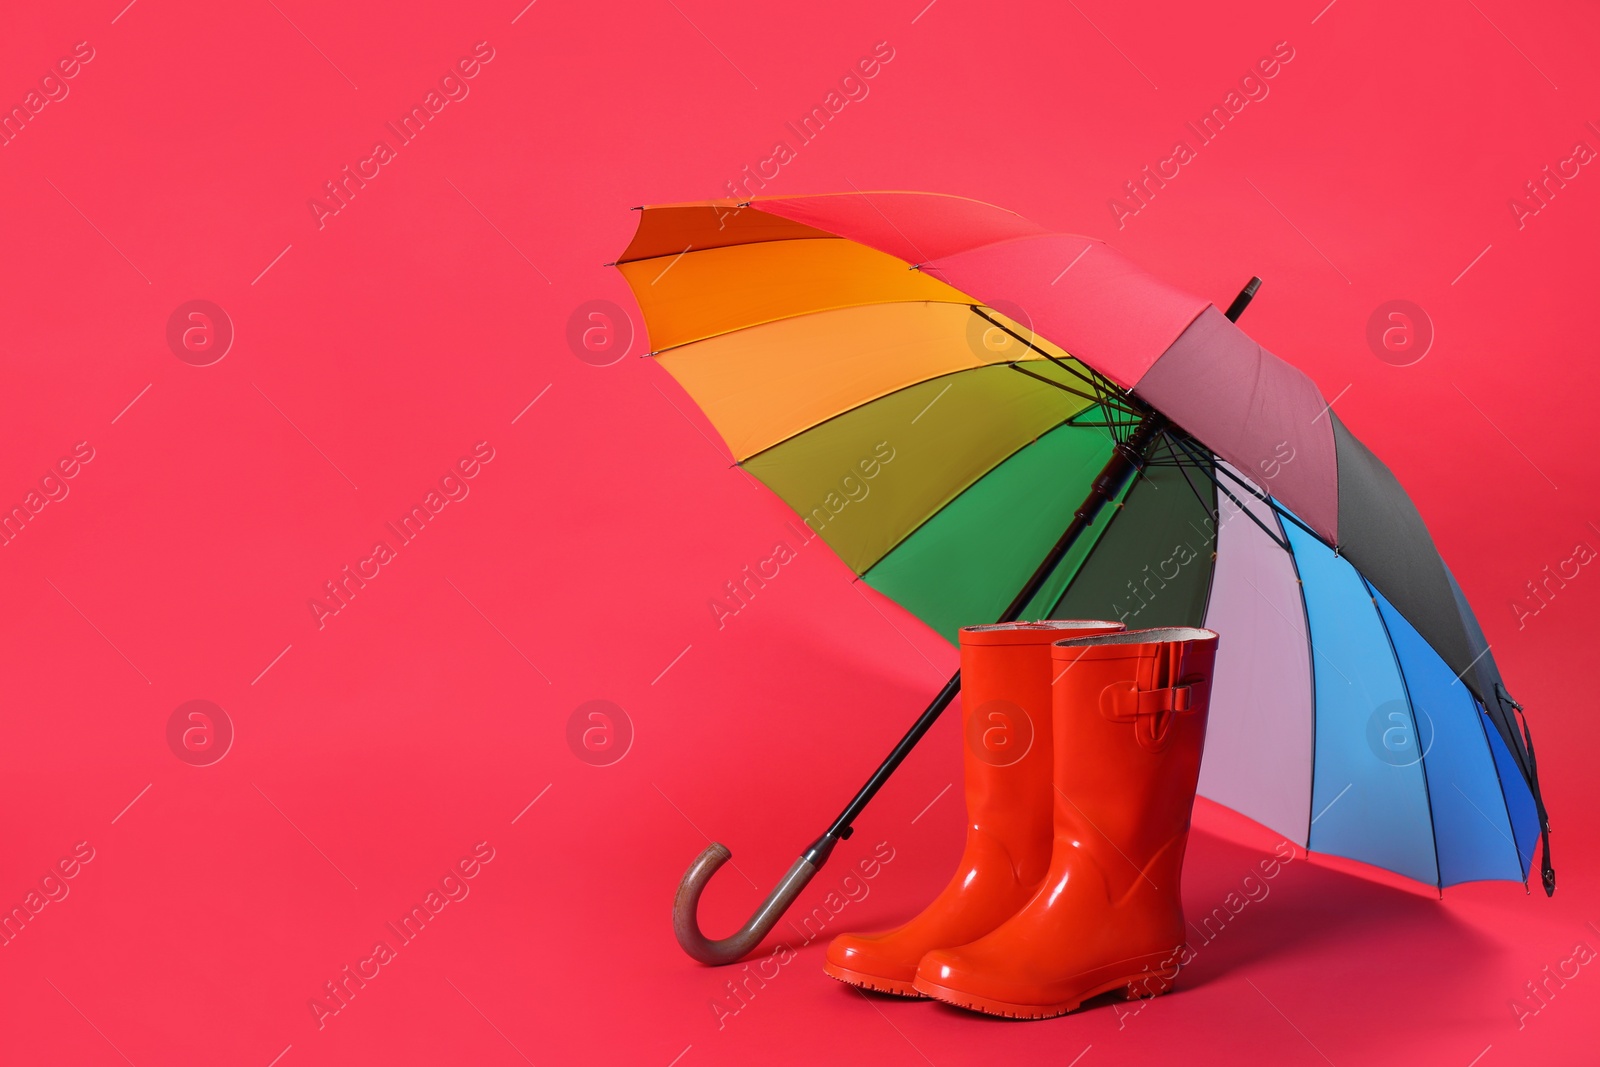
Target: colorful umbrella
pixel 941 426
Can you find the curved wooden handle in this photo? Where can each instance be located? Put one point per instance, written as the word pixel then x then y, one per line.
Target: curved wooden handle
pixel 735 947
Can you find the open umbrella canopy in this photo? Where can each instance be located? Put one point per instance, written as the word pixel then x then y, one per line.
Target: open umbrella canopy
pixel 934 384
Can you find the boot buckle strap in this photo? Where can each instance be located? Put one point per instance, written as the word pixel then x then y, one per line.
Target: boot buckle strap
pixel 1125 701
pixel 1151 711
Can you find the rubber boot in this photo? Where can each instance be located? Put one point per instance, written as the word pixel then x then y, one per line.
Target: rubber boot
pixel 1006 726
pixel 1130 721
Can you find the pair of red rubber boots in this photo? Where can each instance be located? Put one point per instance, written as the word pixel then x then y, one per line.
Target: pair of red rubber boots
pixel 1081 755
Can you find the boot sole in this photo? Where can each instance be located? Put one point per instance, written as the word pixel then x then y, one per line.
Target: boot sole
pixel 1146 980
pixel 874 982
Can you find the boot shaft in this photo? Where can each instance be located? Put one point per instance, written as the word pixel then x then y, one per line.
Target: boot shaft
pixel 1006 714
pixel 1129 713
pixel 1006 675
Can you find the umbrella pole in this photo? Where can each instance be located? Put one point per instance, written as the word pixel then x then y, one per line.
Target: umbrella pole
pixel 1127 459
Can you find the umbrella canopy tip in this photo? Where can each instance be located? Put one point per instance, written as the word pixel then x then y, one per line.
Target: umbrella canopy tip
pixel 1242 301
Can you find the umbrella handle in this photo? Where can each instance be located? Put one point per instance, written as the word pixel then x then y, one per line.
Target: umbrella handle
pixel 736 946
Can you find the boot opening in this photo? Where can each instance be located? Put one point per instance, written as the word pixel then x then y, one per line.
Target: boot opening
pixel 1141 637
pixel 1064 625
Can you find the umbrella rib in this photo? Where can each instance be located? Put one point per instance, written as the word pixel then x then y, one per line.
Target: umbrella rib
pixel 1282 512
pixel 1299 591
pixel 1416 731
pixel 1482 717
pixel 1277 509
pixel 893 392
pixel 1098 401
pixel 819 236
pixel 1210 510
pixel 1105 403
pixel 830 310
pixel 1213 513
pixel 1279 541
pixel 1052 357
pixel 857 407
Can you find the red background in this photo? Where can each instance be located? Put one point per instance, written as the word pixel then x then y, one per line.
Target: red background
pixel 377 350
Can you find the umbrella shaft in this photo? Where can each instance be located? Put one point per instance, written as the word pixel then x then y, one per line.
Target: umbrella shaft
pixel 1126 460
